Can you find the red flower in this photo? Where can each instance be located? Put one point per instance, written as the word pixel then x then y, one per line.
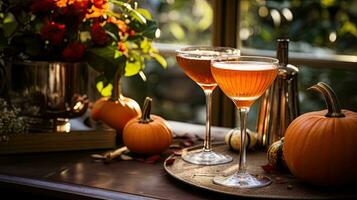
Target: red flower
pixel 42 6
pixel 73 52
pixel 75 11
pixel 131 33
pixel 98 34
pixel 99 3
pixel 53 32
pixel 81 6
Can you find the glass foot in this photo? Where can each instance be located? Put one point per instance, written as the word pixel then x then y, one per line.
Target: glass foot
pixel 206 158
pixel 242 180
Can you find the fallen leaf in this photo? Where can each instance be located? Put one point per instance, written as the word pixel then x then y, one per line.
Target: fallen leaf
pixel 170 161
pixel 152 159
pixel 268 168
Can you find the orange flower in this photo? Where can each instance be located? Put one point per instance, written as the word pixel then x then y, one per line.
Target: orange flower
pixel 99 3
pixel 123 27
pixel 63 3
pixel 122 47
pixel 98 9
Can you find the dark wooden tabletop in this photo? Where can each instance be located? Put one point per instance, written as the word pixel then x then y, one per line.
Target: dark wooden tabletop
pixel 74 175
pixel 64 175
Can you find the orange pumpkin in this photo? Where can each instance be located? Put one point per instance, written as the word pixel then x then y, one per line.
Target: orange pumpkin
pixel 96 108
pixel 321 147
pixel 116 113
pixel 149 134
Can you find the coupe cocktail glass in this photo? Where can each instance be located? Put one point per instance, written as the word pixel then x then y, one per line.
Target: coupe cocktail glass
pixel 243 79
pixel 196 63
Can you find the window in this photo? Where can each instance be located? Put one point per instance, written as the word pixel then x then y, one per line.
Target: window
pixel 323 45
pixel 316 28
pixel 176 97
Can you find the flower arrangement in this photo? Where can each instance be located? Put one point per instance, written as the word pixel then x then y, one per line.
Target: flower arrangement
pixel 112 36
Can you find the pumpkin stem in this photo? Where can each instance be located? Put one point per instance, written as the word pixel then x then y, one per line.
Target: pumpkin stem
pixel 331 100
pixel 116 94
pixel 145 117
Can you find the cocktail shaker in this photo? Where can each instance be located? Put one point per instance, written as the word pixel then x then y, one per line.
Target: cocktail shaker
pixel 280 103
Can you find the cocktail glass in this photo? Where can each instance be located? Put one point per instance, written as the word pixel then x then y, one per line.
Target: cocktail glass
pixel 196 63
pixel 243 79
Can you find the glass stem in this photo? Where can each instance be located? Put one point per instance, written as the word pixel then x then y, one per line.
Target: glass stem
pixel 207 142
pixel 243 114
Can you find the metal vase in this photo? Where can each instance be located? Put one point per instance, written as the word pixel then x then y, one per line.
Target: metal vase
pixel 48 93
pixel 279 106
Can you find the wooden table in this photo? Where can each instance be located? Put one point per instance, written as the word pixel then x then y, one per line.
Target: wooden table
pixel 63 175
pixel 74 175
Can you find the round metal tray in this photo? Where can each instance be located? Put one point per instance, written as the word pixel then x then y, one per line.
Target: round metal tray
pixel 284 185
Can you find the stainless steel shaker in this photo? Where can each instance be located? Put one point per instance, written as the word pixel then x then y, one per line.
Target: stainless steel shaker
pixel 280 103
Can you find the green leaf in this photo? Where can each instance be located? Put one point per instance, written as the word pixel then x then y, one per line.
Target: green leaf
pixel 103 86
pixel 104 90
pixel 3 40
pixel 9 28
pixel 112 30
pixel 144 13
pixel 136 15
pixel 132 68
pixel 133 13
pixel 105 60
pixel 150 30
pixel 145 46
pixel 160 59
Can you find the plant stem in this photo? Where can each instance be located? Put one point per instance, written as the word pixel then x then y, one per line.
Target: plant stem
pixel 117 86
pixel 331 100
pixel 145 117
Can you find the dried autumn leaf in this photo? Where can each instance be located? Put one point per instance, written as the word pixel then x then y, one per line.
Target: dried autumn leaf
pixel 152 159
pixel 170 161
pixel 268 168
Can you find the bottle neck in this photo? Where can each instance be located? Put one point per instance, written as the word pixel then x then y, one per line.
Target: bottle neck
pixel 282 53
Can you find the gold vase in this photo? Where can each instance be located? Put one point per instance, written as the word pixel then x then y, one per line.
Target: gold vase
pixel 48 93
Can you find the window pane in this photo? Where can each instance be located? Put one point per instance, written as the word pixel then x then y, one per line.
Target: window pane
pixel 182 21
pixel 176 97
pixel 316 26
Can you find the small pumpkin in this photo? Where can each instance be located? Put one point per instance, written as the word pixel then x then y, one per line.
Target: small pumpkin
pixel 96 108
pixel 115 112
pixel 320 147
pixel 149 134
pixel 275 155
pixel 232 139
